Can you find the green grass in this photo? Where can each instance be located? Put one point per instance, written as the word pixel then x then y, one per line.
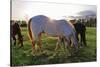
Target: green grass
pixel 24 56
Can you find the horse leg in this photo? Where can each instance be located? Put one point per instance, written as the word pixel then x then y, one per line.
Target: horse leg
pixel 58 43
pixel 63 40
pixel 33 46
pixel 80 41
pixel 64 45
pixel 57 46
pixel 68 46
pixel 77 36
pixel 83 38
pixel 20 39
pixel 33 42
pixel 40 41
pixel 14 38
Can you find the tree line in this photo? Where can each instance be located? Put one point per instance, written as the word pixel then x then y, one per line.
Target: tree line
pixel 90 22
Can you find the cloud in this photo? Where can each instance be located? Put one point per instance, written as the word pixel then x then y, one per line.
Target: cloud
pixel 87 13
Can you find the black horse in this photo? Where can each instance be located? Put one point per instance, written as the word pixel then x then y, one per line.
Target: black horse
pixel 80 30
pixel 15 30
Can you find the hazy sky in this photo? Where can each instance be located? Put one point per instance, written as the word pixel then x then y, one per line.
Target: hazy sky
pixel 26 9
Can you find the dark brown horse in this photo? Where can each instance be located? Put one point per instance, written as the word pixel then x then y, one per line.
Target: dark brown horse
pixel 16 31
pixel 81 30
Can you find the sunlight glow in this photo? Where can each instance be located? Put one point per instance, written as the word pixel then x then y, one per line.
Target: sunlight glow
pixel 28 9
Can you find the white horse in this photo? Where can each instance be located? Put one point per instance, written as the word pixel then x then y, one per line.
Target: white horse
pixel 55 28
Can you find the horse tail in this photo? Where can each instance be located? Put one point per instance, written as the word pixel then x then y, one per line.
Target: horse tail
pixel 29 30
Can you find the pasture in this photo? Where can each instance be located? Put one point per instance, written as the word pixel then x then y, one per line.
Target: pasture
pixel 23 56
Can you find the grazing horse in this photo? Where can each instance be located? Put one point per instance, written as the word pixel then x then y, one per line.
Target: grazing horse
pixel 80 30
pixel 55 28
pixel 15 30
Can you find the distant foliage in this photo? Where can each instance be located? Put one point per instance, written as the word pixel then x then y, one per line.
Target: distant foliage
pixel 21 23
pixel 91 22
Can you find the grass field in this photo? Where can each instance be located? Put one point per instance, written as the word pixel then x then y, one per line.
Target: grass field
pixel 23 56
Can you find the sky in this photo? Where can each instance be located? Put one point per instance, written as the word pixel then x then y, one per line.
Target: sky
pixel 23 10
